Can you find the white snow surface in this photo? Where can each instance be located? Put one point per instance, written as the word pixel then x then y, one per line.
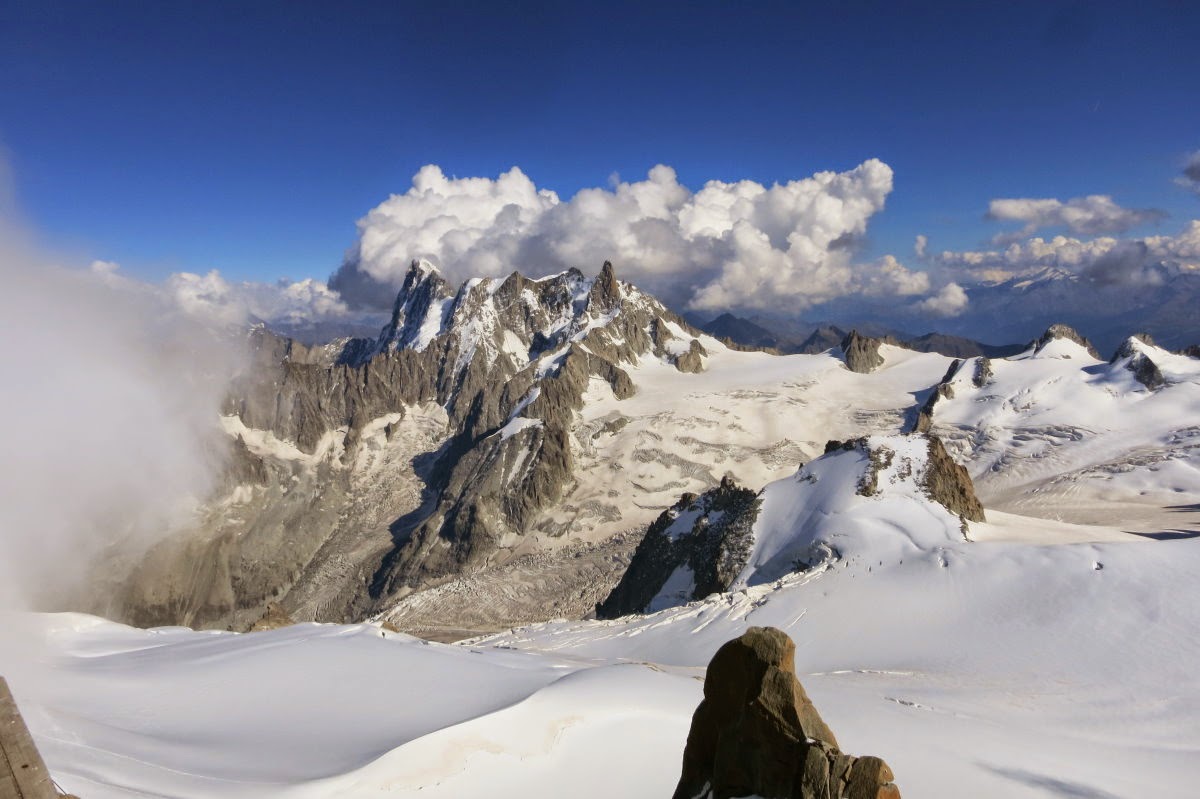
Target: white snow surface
pixel 1051 655
pixel 996 667
pixel 1060 435
pixel 749 414
pixel 819 510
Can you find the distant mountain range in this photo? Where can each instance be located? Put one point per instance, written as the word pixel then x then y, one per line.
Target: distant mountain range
pixel 1156 300
pixel 749 333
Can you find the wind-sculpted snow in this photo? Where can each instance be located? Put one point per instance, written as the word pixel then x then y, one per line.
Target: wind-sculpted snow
pixel 987 668
pixel 336 711
pixel 1019 656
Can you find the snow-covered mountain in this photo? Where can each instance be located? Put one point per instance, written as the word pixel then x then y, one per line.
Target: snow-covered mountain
pixel 1057 432
pixel 1033 635
pixel 505 420
pixel 730 538
pixel 495 455
pixel 1163 303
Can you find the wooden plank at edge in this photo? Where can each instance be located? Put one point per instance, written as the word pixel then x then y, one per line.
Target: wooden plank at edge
pixel 24 764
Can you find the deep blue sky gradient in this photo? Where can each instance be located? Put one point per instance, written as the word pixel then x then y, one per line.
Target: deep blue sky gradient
pixel 250 136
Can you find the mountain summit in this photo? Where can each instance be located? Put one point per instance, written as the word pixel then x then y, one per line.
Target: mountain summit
pixel 486 379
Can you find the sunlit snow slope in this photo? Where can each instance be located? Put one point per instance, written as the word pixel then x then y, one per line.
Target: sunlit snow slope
pixel 992 667
pixel 1058 434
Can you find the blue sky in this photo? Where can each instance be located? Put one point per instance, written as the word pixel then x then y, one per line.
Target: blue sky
pixel 249 137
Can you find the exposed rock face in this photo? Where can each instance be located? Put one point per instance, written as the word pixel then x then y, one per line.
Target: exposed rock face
pixel 943 480
pixel 861 352
pixel 756 733
pixel 273 619
pixel 502 363
pixel 1139 362
pixel 948 483
pixel 1128 348
pixel 693 360
pixel 1058 331
pixel 983 372
pixel 943 389
pixel 707 538
pixel 1192 351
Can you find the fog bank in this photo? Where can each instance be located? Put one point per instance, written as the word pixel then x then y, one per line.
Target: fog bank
pixel 109 402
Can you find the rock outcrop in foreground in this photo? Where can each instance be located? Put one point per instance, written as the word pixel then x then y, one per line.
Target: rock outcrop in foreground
pixel 756 733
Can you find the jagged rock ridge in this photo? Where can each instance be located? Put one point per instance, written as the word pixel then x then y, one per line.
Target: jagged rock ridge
pixel 1133 353
pixel 1061 331
pixel 704 539
pixel 499 366
pixel 862 352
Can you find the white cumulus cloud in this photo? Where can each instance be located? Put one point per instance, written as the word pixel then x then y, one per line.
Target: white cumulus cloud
pixel 951 300
pixel 1104 259
pixel 728 245
pixel 1090 215
pixel 211 297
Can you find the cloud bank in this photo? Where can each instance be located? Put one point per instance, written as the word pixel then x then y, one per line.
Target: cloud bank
pixel 111 407
pixel 1091 215
pixel 738 245
pixel 211 297
pixel 1104 260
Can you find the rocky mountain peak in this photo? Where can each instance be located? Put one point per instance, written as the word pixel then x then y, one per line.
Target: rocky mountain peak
pixel 1132 346
pixel 729 536
pixel 421 298
pixel 606 291
pixel 896 462
pixel 707 537
pixel 1058 332
pixel 1136 354
pixel 861 352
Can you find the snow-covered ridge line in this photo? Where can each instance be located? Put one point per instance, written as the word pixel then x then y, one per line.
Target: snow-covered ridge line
pixel 897 492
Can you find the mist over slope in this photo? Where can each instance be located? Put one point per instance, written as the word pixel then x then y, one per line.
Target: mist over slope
pixel 111 397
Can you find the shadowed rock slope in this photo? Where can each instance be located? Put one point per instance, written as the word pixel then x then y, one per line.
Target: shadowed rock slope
pixel 707 537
